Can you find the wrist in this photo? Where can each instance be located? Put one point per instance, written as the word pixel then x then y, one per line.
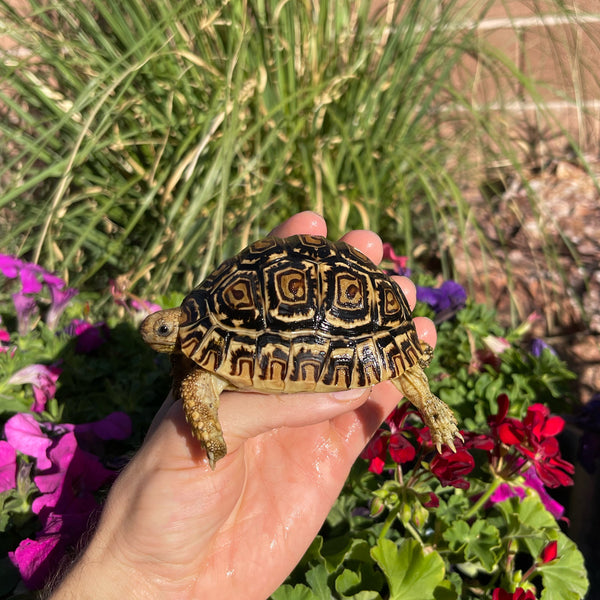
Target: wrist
pixel 98 574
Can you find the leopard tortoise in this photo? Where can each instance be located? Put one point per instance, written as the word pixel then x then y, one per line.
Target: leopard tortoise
pixel 301 314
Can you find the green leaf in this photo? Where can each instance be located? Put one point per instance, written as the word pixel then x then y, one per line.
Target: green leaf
pixel 451 509
pixel 361 584
pixel 346 581
pixel 317 580
pixel 477 542
pixel 564 578
pixel 296 592
pixel 457 535
pixel 411 575
pixel 529 523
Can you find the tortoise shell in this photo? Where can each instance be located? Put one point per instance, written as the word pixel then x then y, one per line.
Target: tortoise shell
pixel 299 314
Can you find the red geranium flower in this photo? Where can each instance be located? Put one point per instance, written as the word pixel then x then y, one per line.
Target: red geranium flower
pixel 550 552
pixel 392 440
pixel 451 467
pixel 535 439
pixel 518 594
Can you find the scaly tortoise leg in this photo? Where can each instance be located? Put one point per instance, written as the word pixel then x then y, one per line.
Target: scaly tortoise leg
pixel 200 391
pixel 437 415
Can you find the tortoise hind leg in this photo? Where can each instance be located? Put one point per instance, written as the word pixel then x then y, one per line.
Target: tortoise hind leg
pixel 436 414
pixel 200 391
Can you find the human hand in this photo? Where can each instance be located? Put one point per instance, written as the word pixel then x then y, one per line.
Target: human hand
pixel 172 528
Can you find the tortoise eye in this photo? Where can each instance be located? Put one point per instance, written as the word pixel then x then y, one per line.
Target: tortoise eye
pixel 163 330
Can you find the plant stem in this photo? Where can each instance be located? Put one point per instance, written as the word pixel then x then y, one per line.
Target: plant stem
pixel 484 498
pixel 388 523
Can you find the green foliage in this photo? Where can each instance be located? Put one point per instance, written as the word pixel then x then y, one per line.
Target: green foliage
pixel 567 578
pixel 476 543
pixel 410 574
pixel 423 559
pixel 474 385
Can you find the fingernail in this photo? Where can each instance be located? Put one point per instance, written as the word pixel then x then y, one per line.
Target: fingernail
pixel 349 395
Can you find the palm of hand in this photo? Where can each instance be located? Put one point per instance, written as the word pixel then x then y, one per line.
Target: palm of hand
pixel 174 528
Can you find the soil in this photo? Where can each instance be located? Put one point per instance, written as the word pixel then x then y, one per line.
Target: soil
pixel 547 253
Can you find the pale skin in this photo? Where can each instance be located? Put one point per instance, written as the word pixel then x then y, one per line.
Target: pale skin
pixel 172 528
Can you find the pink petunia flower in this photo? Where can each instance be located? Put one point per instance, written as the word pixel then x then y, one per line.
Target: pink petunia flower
pixel 144 306
pixel 531 480
pixel 32 556
pixel 89 336
pixel 8 467
pixel 10 265
pixel 30 282
pixel 25 434
pixel 69 485
pixel 67 477
pixel 64 508
pixel 4 338
pixel 43 379
pixel 399 262
pixel 33 278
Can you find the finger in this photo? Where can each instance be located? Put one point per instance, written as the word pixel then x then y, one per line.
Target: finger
pixel 368 242
pixel 246 415
pixel 306 222
pixel 408 288
pixel 426 330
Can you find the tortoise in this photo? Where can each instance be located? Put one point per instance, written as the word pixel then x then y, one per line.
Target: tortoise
pixel 300 314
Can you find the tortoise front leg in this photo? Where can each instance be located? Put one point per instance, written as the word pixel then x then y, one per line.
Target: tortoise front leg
pixel 200 391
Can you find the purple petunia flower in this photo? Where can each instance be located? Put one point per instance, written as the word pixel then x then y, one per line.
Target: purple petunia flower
pixel 538 345
pixel 27 309
pixel 43 379
pixel 116 426
pixel 8 467
pixel 60 299
pixel 446 300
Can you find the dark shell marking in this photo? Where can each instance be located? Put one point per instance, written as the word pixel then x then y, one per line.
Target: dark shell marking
pixel 299 314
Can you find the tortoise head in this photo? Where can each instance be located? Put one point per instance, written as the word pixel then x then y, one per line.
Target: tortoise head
pixel 161 329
